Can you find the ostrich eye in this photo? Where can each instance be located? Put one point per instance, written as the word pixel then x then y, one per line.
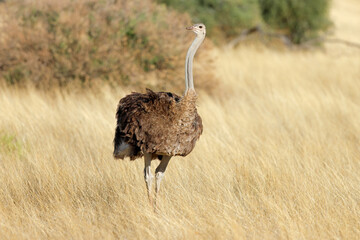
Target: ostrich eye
pixel 200 26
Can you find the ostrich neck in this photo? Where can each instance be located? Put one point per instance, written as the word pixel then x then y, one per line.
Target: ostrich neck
pixel 189 81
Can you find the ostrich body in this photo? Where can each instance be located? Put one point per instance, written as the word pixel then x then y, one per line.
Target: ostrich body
pixel 159 125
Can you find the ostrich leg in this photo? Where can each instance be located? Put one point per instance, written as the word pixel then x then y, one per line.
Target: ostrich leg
pixel 160 172
pixel 147 174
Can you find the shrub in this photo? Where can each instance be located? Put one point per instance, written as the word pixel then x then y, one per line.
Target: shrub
pixel 222 17
pixel 58 43
pixel 301 20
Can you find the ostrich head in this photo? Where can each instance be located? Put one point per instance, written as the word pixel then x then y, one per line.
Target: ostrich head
pixel 198 29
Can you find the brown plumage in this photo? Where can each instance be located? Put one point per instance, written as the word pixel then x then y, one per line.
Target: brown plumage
pixel 158 123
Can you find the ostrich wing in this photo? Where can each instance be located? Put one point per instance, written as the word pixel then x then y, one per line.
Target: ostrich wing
pixel 154 123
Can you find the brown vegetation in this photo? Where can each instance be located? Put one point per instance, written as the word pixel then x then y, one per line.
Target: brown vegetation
pixel 60 43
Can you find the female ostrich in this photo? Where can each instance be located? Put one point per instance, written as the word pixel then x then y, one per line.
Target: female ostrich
pixel 160 124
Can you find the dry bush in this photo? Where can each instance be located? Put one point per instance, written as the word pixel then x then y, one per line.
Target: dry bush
pixel 59 43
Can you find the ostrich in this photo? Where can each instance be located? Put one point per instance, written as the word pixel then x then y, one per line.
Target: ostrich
pixel 159 125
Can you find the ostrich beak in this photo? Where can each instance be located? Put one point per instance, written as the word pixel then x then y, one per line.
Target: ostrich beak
pixel 190 28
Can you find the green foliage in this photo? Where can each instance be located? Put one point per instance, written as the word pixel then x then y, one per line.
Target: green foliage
pixel 301 20
pixel 227 17
pixel 9 144
pixel 15 75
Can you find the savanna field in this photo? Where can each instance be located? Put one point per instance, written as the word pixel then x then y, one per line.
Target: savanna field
pixel 279 157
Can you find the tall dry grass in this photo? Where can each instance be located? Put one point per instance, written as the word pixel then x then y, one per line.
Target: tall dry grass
pixel 278 159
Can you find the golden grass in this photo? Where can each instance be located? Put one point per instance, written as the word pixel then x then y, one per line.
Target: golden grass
pixel 278 159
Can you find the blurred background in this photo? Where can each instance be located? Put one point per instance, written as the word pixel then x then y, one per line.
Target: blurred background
pixel 143 43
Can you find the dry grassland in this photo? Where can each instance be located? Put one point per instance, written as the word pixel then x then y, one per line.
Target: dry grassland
pixel 279 157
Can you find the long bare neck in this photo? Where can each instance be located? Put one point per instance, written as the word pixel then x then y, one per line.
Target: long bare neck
pixel 189 81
